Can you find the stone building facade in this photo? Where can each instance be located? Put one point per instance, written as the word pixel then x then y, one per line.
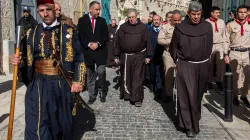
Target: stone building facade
pixel 144 7
pixel 6 33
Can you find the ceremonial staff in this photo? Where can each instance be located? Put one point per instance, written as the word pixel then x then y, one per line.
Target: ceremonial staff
pixel 14 83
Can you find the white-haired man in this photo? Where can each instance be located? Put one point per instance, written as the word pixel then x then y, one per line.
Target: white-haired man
pixel 133 49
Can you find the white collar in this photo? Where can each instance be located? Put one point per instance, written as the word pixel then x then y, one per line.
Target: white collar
pixel 55 23
pixel 156 27
pixel 90 16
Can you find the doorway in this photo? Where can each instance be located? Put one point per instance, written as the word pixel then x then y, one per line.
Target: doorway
pixel 206 5
pixel 19 4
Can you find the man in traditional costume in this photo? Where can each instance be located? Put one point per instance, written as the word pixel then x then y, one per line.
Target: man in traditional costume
pixel 49 100
pixel 191 48
pixel 133 48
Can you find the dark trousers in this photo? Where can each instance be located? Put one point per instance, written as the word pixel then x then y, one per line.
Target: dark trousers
pixel 48 109
pixel 92 74
pixel 156 75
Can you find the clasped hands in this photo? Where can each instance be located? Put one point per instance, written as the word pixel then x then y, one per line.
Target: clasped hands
pixel 93 45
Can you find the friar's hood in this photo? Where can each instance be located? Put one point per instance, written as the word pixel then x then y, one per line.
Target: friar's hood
pixel 187 28
pixel 133 28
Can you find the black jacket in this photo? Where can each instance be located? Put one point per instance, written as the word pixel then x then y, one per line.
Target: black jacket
pixel 101 35
pixel 27 22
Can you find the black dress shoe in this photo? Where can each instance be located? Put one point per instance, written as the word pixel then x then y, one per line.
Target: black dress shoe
pixel 220 86
pixel 191 134
pixel 210 85
pixel 91 100
pixel 236 101
pixel 102 97
pixel 244 100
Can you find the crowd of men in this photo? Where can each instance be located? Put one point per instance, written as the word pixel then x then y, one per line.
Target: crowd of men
pixel 57 51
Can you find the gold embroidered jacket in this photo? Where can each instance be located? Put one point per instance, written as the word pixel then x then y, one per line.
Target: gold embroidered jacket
pixel 64 39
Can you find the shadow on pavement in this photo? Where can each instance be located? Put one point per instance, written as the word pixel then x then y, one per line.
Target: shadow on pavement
pixel 3 117
pixel 6 86
pixel 117 81
pixel 84 121
pixel 169 109
pixel 216 103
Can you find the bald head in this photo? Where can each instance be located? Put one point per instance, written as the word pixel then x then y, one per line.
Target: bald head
pixel 58 9
pixel 176 18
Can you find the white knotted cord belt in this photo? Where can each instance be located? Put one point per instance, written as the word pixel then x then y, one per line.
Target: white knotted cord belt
pixel 175 92
pixel 198 62
pixel 125 69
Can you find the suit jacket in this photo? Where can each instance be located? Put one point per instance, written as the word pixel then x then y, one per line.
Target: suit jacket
pixel 101 35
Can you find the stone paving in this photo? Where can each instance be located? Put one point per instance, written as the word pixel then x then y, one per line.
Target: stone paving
pixel 118 120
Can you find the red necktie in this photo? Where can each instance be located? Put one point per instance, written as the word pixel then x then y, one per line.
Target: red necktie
pixel 215 22
pixel 241 25
pixel 248 20
pixel 93 23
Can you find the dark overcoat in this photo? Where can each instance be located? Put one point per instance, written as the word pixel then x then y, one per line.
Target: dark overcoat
pixel 100 35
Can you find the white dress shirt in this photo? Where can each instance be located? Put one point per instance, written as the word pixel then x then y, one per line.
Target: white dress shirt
pixel 91 21
pixel 55 23
pixel 93 29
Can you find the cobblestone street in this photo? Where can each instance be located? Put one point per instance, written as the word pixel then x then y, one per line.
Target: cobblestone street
pixel 117 119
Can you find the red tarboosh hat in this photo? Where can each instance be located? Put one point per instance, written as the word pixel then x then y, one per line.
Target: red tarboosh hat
pixel 40 2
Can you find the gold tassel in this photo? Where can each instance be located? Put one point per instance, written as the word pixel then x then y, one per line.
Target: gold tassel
pixel 75 106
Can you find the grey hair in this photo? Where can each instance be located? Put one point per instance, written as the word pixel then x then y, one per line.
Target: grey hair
pixel 195 6
pixel 93 3
pixel 176 12
pixel 132 10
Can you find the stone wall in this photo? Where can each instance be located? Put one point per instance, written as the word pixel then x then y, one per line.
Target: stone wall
pixel 114 10
pixel 67 7
pixel 6 20
pixel 6 31
pixel 160 7
pixel 143 6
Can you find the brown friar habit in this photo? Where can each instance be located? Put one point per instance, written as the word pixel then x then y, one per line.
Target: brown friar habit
pixel 191 48
pixel 110 44
pixel 132 46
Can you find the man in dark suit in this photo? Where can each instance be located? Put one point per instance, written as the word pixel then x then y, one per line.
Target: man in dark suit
pixel 93 32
